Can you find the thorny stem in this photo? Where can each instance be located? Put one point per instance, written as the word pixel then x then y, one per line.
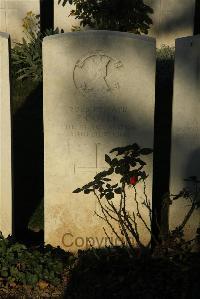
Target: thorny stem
pixel 140 216
pixel 108 236
pixel 187 217
pixel 138 211
pixel 106 219
pixel 147 202
pixel 122 225
pixel 191 210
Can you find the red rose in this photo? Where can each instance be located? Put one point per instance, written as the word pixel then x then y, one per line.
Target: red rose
pixel 133 180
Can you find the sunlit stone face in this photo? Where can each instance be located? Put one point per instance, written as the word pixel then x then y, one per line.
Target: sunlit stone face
pixel 185 152
pixel 5 139
pixel 94 100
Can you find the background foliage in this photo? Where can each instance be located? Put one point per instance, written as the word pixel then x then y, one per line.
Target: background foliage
pixel 26 57
pixel 128 15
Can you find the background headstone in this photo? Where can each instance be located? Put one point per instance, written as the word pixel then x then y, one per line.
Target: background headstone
pixel 12 14
pixel 98 94
pixel 62 18
pixel 5 139
pixel 185 153
pixel 171 19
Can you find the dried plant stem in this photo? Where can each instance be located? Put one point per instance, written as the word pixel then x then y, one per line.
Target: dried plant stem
pixel 187 217
pixel 105 218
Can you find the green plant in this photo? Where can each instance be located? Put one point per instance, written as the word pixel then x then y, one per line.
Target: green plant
pixel 165 69
pixel 175 239
pixel 165 53
pixel 26 57
pixel 128 166
pixel 129 15
pixel 21 265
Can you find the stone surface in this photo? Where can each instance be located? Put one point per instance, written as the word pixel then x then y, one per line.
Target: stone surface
pixel 171 19
pixel 5 139
pixel 185 154
pixel 94 100
pixel 12 14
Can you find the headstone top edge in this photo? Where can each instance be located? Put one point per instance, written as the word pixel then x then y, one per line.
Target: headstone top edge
pixel 101 32
pixel 185 38
pixel 4 35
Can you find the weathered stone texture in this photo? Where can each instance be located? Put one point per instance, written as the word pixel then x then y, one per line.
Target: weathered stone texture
pixel 185 154
pixel 171 19
pixel 98 94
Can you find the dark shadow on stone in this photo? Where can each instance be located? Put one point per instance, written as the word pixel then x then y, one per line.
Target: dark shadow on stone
pixel 193 169
pixel 162 139
pixel 193 165
pixel 28 165
pixel 178 21
pixel 46 15
pixel 197 18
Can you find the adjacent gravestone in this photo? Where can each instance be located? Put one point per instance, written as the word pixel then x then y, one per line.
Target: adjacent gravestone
pixel 12 14
pixel 5 139
pixel 171 19
pixel 185 154
pixel 98 94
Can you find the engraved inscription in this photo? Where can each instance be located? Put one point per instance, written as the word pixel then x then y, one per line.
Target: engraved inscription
pixel 98 132
pixel 97 74
pixel 98 121
pixel 98 113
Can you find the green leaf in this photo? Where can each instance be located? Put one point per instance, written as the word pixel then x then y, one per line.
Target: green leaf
pixel 100 175
pixel 78 190
pixel 31 279
pixel 87 191
pixel 115 186
pixel 109 195
pixel 108 159
pixel 4 273
pixel 117 170
pixel 114 162
pixel 146 151
pixel 90 184
pixel 118 190
pixel 110 171
pixel 142 163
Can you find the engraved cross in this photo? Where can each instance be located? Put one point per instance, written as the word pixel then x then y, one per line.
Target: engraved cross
pixel 90 168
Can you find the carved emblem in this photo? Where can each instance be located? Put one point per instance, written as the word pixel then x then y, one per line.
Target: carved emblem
pixel 97 74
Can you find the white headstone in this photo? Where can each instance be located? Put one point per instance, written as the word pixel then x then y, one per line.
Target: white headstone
pixel 12 13
pixel 171 19
pixel 185 154
pixel 5 139
pixel 98 94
